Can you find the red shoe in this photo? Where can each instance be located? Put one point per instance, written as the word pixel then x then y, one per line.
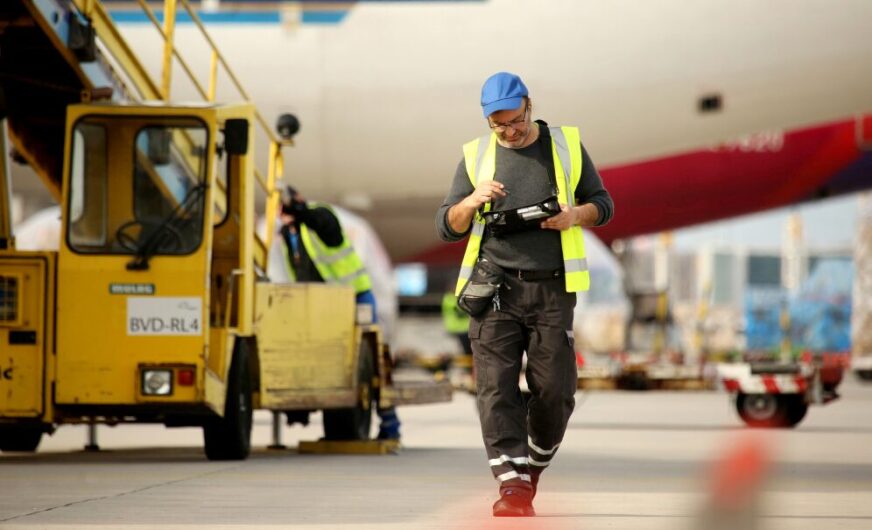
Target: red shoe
pixel 514 503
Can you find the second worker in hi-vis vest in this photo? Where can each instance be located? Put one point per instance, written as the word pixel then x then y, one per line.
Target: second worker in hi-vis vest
pixel 316 249
pixel 522 195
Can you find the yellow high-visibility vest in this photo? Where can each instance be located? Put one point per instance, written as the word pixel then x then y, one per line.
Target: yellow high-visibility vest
pixel 335 264
pixel 480 156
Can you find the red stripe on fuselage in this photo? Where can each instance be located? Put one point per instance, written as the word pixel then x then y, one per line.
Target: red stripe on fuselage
pixel 731 180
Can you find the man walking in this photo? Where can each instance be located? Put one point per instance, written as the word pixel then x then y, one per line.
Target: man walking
pixel 520 165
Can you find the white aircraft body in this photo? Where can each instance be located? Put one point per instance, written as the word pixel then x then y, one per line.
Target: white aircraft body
pixel 387 92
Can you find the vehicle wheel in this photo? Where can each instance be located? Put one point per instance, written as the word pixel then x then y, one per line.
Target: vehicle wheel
pixel 864 375
pixel 229 438
pixel 354 423
pixel 20 438
pixel 796 408
pixel 771 410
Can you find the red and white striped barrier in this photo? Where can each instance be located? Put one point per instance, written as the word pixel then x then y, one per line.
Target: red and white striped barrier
pixel 738 378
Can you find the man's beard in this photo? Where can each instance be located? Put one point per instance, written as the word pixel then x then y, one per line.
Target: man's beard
pixel 518 141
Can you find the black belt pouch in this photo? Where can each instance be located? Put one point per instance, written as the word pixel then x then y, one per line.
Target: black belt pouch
pixel 481 289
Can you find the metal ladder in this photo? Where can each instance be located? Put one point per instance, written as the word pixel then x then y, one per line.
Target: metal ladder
pixel 62 52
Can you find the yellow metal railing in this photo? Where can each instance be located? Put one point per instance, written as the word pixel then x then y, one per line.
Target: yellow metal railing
pixel 115 44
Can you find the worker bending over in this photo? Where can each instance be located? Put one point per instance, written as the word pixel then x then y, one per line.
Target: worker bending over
pixel 317 250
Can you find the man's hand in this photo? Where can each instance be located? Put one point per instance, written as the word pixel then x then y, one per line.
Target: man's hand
pixel 460 215
pixel 484 193
pixel 296 208
pixel 562 221
pixel 584 215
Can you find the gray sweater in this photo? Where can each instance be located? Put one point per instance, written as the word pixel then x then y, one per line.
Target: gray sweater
pixel 526 180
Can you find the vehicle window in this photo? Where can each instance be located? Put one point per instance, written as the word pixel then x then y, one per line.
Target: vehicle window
pixel 221 192
pixel 154 201
pixel 88 179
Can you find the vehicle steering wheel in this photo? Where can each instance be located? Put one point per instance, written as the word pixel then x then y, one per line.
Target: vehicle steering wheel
pixel 169 238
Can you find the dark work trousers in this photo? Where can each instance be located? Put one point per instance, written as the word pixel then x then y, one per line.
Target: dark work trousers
pixel 536 317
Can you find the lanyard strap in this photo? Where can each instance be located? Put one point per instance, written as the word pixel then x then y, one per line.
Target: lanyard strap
pixel 548 155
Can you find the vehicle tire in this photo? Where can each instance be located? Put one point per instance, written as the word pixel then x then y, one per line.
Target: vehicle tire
pixel 354 423
pixel 229 438
pixel 864 375
pixel 19 438
pixel 771 410
pixel 796 408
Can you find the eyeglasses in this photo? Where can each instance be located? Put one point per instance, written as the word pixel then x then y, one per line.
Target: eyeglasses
pixel 515 124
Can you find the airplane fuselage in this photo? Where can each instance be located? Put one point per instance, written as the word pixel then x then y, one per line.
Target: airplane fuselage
pixel 689 109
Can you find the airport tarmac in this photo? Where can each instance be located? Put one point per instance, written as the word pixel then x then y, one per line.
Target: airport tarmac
pixel 629 460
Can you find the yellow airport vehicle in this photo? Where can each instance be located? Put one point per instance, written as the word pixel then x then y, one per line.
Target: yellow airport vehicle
pixel 156 306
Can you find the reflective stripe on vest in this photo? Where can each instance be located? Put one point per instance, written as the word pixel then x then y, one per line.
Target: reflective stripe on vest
pixel 339 264
pixel 480 158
